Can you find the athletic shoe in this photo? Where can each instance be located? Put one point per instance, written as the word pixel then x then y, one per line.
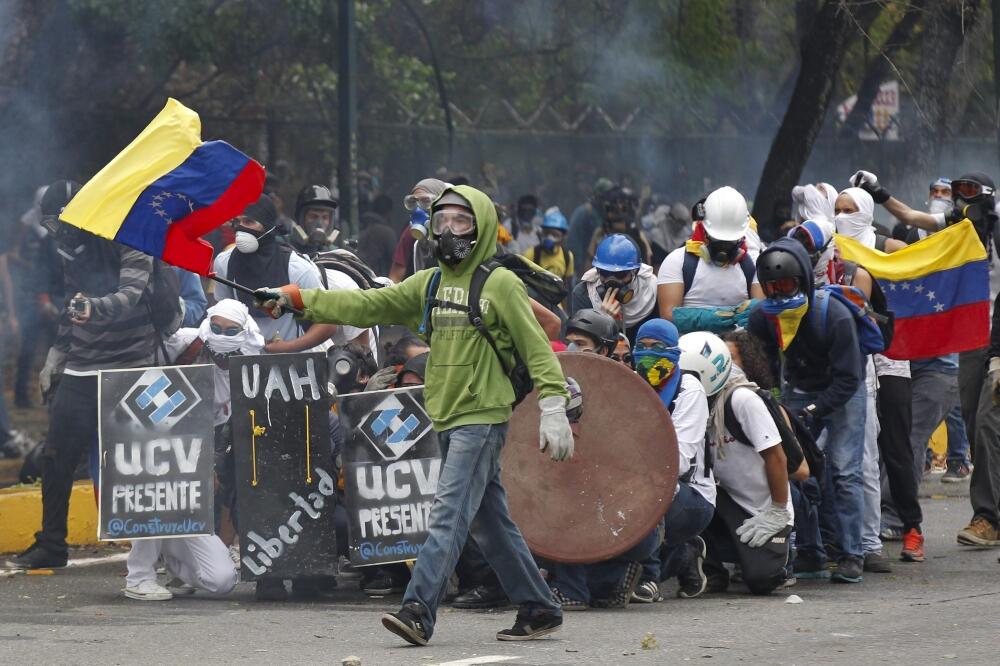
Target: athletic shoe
pixel 717 578
pixel 891 534
pixel 790 581
pixel 482 596
pixel 691 579
pixel 957 472
pixel 979 533
pixel 179 588
pixel 647 593
pixel 848 571
pixel 383 585
pixel 877 563
pixel 913 546
pixel 37 557
pixel 623 591
pixel 567 603
pixel 270 589
pixel 807 567
pixel 408 623
pixel 148 590
pixel 531 625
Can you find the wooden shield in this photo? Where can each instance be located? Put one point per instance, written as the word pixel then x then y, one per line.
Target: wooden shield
pixel 618 484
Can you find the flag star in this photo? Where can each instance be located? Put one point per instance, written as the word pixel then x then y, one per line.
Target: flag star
pixel 158 198
pixel 906 286
pixel 892 286
pixel 162 213
pixel 939 307
pixel 931 296
pixel 166 195
pixel 919 288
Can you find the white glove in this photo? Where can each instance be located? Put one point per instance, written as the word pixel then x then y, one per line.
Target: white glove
pixel 864 177
pixel 53 367
pixel 758 530
pixel 381 380
pixel 554 432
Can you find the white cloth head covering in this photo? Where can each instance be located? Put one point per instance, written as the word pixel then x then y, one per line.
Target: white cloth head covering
pixel 248 342
pixel 831 193
pixel 811 204
pixel 859 225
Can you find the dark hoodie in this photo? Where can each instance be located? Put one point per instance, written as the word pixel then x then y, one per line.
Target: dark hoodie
pixel 821 359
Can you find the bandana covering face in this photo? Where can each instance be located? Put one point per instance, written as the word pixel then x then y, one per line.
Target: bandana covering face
pixel 785 314
pixel 248 342
pixel 811 204
pixel 858 225
pixel 660 368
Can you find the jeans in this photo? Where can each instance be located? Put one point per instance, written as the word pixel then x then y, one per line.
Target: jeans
pixel 806 498
pixel 72 432
pixel 845 445
pixel 470 499
pixel 934 395
pixel 958 438
pixel 688 516
pixel 582 582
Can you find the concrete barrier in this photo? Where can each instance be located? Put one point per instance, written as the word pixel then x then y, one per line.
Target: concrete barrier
pixel 21 516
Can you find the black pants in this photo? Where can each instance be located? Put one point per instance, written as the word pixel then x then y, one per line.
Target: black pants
pixel 984 487
pixel 895 405
pixel 763 567
pixel 971 377
pixel 72 433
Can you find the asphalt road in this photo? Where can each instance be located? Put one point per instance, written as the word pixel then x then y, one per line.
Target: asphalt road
pixel 946 609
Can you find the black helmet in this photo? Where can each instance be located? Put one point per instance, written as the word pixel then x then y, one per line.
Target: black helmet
pixel 619 204
pixel 777 266
pixel 56 196
pixel 974 187
pixel 318 196
pixel 597 325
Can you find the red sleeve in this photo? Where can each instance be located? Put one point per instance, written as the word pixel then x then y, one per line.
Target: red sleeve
pixel 403 254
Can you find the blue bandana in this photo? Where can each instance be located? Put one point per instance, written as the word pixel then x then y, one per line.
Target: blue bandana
pixel 662 363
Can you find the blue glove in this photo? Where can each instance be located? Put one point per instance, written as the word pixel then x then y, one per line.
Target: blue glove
pixel 713 320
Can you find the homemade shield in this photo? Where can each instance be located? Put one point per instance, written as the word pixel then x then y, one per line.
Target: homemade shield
pixel 618 484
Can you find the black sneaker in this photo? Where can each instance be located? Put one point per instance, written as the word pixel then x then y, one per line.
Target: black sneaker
pixel 528 626
pixel 877 563
pixel 622 594
pixel 270 589
pixel 408 623
pixel 647 592
pixel 716 576
pixel 482 596
pixel 808 567
pixel 956 473
pixel 383 585
pixel 37 557
pixel 848 571
pixel 691 579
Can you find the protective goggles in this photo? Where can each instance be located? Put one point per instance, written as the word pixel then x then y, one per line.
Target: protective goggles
pixel 785 287
pixel 459 223
pixel 970 189
pixel 229 331
pixel 412 201
pixel 656 347
pixel 623 277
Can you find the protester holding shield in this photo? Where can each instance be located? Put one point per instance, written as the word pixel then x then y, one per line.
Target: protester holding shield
pixel 469 393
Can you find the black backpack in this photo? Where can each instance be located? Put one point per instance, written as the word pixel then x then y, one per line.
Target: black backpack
pixel 883 317
pixel 520 377
pixel 348 263
pixel 164 299
pixel 796 440
pixel 691 267
pixel 550 288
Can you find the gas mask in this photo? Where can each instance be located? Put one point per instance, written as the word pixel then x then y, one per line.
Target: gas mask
pixel 723 253
pixel 550 242
pixel 346 364
pixel 625 290
pixel 452 249
pixel 248 241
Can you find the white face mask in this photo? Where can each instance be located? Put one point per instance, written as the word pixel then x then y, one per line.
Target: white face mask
pixel 852 224
pixel 941 206
pixel 246 242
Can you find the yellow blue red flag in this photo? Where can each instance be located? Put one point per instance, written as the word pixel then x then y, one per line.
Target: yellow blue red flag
pixel 938 289
pixel 167 189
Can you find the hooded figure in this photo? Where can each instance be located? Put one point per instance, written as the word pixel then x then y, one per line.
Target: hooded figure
pixel 660 368
pixel 259 259
pixel 811 204
pixel 859 225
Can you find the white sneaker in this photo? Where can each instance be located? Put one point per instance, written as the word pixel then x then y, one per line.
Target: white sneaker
pixel 148 590
pixel 179 588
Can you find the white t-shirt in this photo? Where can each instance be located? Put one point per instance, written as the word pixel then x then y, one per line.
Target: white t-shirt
pixel 301 272
pixel 690 417
pixel 713 286
pixel 739 469
pixel 337 280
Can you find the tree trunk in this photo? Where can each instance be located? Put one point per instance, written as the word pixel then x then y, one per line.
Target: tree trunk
pixel 22 22
pixel 823 49
pixel 880 68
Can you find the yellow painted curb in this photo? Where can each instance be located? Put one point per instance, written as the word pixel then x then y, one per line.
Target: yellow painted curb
pixel 21 516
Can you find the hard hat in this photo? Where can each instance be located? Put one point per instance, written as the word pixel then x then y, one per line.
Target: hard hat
pixel 708 357
pixel 726 215
pixel 616 254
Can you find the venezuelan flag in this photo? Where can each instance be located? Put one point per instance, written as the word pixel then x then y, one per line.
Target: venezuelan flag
pixel 167 189
pixel 938 289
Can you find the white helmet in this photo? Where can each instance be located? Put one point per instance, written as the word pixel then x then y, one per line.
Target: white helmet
pixel 726 215
pixel 706 355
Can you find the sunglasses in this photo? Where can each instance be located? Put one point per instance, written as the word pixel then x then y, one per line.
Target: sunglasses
pixel 970 189
pixel 782 287
pixel 658 347
pixel 229 332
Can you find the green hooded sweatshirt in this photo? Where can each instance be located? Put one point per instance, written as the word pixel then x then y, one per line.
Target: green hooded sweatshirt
pixel 465 383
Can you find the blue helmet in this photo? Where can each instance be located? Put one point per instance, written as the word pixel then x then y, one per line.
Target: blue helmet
pixel 616 254
pixel 554 219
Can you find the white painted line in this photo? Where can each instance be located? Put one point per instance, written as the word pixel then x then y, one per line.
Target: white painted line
pixel 76 562
pixel 475 661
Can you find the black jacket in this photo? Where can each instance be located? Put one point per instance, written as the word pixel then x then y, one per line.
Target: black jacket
pixel 821 359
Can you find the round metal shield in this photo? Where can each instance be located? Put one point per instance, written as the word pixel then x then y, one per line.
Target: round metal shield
pixel 620 480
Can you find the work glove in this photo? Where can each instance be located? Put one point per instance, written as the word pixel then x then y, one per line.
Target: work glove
pixel 758 530
pixel 383 379
pixel 971 211
pixel 868 181
pixel 994 375
pixel 276 301
pixel 554 432
pixel 54 363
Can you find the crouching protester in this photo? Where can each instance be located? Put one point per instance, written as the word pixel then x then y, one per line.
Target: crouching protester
pixel 753 508
pixel 468 395
pixel 200 563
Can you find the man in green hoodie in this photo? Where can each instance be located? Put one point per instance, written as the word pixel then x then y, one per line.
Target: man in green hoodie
pixel 468 396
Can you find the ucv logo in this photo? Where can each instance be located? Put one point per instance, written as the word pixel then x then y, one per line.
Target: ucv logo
pixel 160 398
pixel 395 425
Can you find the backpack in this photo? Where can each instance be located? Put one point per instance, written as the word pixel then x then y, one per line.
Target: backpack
pixel 164 299
pixel 691 267
pixel 348 263
pixel 520 378
pixel 870 338
pixel 550 288
pixel 796 440
pixel 537 258
pixel 883 316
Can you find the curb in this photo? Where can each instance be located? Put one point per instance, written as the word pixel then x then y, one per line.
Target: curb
pixel 21 516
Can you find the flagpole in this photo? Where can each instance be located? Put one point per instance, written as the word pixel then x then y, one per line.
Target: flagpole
pixel 247 290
